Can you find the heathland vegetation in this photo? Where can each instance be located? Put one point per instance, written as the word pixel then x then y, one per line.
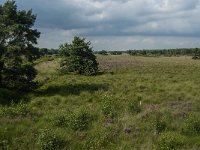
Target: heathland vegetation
pixel 72 99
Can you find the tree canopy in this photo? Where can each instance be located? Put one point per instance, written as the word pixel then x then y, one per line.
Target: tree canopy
pixel 78 57
pixel 17 50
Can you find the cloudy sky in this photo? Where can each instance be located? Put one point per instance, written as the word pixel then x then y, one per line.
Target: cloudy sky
pixel 117 24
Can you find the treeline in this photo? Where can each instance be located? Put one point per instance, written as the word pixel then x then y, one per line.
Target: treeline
pixel 195 52
pixel 165 52
pixel 46 51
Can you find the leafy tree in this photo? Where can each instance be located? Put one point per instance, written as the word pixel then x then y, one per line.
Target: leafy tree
pixel 78 57
pixel 17 51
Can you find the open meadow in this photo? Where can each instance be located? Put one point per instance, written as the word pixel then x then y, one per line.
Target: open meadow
pixel 134 102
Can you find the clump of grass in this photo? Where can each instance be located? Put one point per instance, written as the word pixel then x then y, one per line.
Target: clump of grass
pixel 108 107
pixel 192 124
pixel 101 139
pixel 16 110
pixel 80 120
pixel 134 106
pixel 160 126
pixel 48 140
pixel 60 120
pixel 170 141
pixel 5 140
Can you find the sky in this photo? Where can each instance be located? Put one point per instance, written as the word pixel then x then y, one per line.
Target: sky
pixel 117 24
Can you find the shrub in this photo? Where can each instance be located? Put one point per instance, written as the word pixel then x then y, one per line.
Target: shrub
pixel 192 124
pixel 80 120
pixel 78 57
pixel 170 141
pixel 135 107
pixel 47 140
pixel 108 107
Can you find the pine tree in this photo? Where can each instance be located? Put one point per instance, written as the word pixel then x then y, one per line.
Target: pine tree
pixel 78 57
pixel 17 51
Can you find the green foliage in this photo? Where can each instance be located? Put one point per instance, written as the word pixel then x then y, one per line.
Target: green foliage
pixel 192 124
pixel 80 120
pixel 108 107
pixel 170 141
pixel 78 57
pixel 135 106
pixel 16 47
pixel 47 140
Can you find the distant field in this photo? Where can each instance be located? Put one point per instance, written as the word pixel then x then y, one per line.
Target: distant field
pixel 134 103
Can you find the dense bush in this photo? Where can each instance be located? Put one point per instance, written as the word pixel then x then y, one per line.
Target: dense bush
pixel 78 57
pixel 170 141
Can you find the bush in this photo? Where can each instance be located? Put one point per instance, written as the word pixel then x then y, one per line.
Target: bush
pixel 108 107
pixel 78 57
pixel 170 141
pixel 135 107
pixel 47 140
pixel 192 124
pixel 80 120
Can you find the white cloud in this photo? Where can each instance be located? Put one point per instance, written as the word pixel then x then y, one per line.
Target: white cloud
pixel 119 19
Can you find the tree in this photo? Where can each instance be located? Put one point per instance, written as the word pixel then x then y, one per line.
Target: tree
pixel 17 51
pixel 78 57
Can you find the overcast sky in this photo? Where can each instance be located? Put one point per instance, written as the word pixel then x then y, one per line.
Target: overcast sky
pixel 117 24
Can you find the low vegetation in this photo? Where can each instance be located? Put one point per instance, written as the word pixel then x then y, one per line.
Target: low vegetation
pixel 138 103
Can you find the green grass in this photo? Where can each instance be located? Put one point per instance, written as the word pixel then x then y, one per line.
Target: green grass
pixel 135 103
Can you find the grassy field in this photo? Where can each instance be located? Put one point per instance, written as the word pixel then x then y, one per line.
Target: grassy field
pixel 134 103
